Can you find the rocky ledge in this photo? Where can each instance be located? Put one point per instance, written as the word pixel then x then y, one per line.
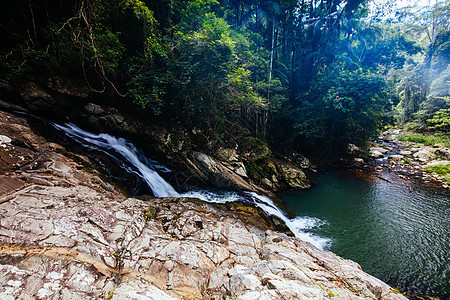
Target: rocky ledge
pixel 67 234
pixel 236 160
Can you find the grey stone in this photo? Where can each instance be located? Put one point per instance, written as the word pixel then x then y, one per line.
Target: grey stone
pixel 94 109
pixel 376 154
pixel 379 149
pixel 405 152
pixel 443 152
pixel 352 148
pixel 423 154
pixel 239 284
pixel 396 157
pixel 213 171
pixel 4 140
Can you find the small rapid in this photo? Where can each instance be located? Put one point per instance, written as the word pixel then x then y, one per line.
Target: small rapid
pixel 130 159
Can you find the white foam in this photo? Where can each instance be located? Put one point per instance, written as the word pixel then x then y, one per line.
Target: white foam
pixel 213 197
pixel 296 225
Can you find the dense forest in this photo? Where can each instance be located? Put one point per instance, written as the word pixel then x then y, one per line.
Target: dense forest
pixel 309 76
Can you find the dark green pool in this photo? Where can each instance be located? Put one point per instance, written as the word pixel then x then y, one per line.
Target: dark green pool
pixel 397 231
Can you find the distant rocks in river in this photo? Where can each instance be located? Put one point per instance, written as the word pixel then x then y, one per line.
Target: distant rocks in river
pixel 411 161
pixel 396 157
pixel 443 152
pixel 377 152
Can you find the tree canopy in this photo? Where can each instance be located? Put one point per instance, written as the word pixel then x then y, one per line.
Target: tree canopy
pixel 309 75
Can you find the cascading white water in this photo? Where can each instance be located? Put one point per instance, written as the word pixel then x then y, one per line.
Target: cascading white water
pixel 161 188
pixel 296 225
pixel 157 184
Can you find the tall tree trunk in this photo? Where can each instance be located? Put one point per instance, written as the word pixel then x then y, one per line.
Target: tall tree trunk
pixel 271 54
pixel 405 106
pixel 293 77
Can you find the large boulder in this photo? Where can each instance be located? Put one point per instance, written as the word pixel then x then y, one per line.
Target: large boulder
pixel 377 152
pixel 36 98
pixel 227 154
pixel 293 176
pixel 300 161
pixel 215 172
pixel 423 155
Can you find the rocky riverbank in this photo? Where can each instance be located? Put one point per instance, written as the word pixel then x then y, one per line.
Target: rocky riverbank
pixel 67 234
pixel 409 160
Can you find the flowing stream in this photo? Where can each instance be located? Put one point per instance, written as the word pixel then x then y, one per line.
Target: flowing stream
pixel 396 230
pixel 129 158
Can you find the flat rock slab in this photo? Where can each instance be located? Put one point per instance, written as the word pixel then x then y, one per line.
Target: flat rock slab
pixel 379 149
pixel 405 152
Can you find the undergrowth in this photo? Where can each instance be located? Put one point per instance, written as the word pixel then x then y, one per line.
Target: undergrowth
pixel 426 139
pixel 442 170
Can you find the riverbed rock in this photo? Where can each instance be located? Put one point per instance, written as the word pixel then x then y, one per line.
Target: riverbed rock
pixel 68 87
pixel 227 154
pixel 405 152
pixel 292 175
pixel 4 141
pixel 358 161
pixel 115 246
pixel 36 97
pixel 379 149
pixel 396 157
pixel 377 152
pixel 423 155
pixel 300 161
pixel 353 149
pixel 443 152
pixel 94 109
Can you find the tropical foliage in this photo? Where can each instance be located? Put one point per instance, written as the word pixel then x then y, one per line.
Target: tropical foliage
pixel 309 75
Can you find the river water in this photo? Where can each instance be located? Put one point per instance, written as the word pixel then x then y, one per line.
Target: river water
pixel 396 230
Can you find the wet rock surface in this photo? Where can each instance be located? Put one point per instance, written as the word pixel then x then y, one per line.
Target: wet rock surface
pixel 66 234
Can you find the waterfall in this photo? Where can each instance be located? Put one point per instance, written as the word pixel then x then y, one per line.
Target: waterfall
pixel 147 169
pixel 127 150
